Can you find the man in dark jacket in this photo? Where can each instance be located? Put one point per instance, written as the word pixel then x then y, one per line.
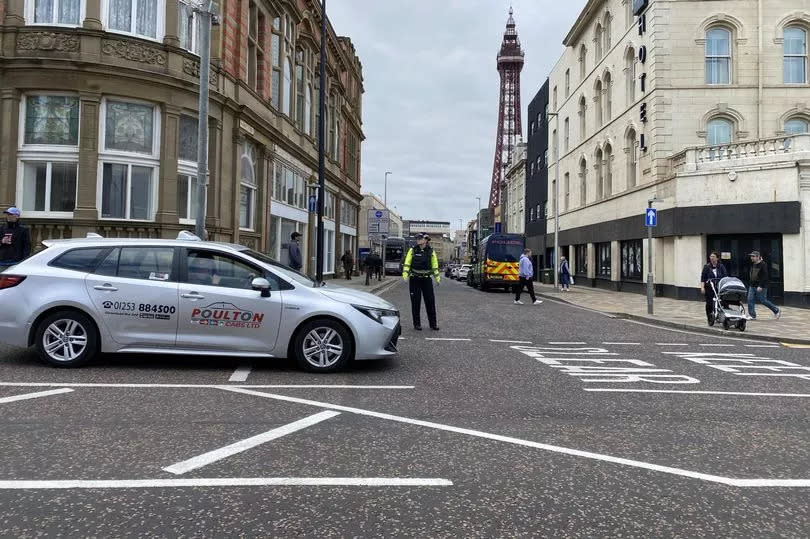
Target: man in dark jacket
pixel 713 271
pixel 421 266
pixel 373 263
pixel 758 280
pixel 295 251
pixel 15 239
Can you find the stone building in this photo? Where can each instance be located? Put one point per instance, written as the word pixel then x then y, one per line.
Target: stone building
pixel 702 105
pixel 513 193
pixel 98 120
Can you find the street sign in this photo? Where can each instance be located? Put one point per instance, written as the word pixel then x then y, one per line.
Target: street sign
pixel 498 228
pixel 651 217
pixel 378 222
pixel 313 204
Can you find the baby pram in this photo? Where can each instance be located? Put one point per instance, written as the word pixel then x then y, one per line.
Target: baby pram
pixel 730 295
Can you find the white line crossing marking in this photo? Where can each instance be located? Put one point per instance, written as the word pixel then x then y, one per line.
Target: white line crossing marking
pixel 718 345
pixel 566 342
pixel 527 443
pixel 196 386
pixel 26 396
pixel 226 482
pixel 686 392
pixel 249 443
pixel 510 342
pixel 444 339
pixel 624 343
pixel 240 374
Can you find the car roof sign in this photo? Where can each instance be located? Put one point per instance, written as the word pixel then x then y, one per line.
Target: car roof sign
pixel 93 235
pixel 186 235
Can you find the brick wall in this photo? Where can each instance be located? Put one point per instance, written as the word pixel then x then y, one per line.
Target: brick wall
pixel 2 10
pixel 232 34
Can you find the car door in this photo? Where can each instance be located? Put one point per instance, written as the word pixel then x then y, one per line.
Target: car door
pixel 219 311
pixel 134 289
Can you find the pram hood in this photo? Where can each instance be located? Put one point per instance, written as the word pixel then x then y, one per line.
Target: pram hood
pixel 731 284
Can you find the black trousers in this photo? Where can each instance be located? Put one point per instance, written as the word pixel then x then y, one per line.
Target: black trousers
pixel 709 299
pixel 528 283
pixel 419 287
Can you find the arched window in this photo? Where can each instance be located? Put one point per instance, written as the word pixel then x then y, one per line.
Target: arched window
pixel 608 170
pixel 608 96
pixel 630 75
pixel 583 52
pixel 539 119
pixel 566 191
pixel 718 56
pixel 286 92
pixel 566 134
pixel 598 166
pixel 567 82
pixel 796 126
pixel 308 111
pixel 300 89
pixel 719 131
pixel 248 187
pixel 582 118
pixel 597 99
pixel 795 55
pixel 632 159
pixel 554 98
pixel 583 185
pixel 608 20
pixel 597 38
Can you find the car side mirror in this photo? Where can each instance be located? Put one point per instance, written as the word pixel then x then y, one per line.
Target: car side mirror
pixel 262 285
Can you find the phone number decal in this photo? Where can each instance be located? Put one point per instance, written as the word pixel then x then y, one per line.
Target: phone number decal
pixel 157 309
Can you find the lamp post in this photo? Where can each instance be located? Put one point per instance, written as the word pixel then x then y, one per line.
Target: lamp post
pixel 650 278
pixel 321 149
pixel 206 11
pixel 385 236
pixel 478 225
pixel 556 206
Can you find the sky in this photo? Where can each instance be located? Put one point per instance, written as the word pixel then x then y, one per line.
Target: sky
pixel 430 107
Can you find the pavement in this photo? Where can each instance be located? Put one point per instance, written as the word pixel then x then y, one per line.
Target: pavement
pixel 359 283
pixel 543 420
pixel 793 326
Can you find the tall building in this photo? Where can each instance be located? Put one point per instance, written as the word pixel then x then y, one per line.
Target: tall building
pixel 702 106
pixel 537 178
pixel 510 63
pixel 513 196
pixel 98 122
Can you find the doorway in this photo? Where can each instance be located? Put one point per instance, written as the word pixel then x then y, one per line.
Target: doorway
pixel 734 251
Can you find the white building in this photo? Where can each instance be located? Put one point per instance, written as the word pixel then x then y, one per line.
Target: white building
pixel 694 103
pixel 373 202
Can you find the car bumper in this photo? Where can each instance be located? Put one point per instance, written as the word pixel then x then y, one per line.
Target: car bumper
pixel 379 342
pixel 13 333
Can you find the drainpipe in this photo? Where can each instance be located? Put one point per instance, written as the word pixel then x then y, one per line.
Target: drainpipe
pixel 759 69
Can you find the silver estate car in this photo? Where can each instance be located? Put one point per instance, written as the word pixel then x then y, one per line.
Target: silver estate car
pixel 79 297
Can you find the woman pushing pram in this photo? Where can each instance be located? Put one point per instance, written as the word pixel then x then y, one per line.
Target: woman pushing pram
pixel 725 296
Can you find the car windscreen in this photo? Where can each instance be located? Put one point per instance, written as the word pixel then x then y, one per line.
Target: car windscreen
pixel 280 268
pixel 504 250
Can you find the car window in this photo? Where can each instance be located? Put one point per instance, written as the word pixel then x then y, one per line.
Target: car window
pixel 286 271
pixel 84 260
pixel 109 266
pixel 149 263
pixel 217 269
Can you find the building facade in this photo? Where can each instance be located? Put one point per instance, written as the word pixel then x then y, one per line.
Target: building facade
pixel 373 202
pixel 702 105
pixel 537 177
pixel 513 197
pixel 98 122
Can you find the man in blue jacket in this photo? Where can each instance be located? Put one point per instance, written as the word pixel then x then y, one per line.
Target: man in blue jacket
pixel 526 274
pixel 295 252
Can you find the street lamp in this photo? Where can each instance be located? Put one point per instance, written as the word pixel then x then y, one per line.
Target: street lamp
pixel 385 236
pixel 650 294
pixel 321 148
pixel 478 224
pixel 556 196
pixel 206 11
pixel 385 193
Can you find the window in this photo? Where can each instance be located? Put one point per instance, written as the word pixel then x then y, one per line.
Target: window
pixel 52 120
pixel 566 191
pixel 597 40
pixel 718 56
pixel 581 259
pixel 286 97
pixel 187 196
pixel 606 32
pixel 582 109
pixel 531 168
pixel 330 142
pixel 599 167
pixel 539 162
pixel 566 133
pixel 608 96
pixel 276 54
pixel 597 99
pixel 188 138
pixel 299 88
pixel 147 263
pixel 330 251
pixel 632 260
pixel 329 205
pixel 348 213
pixel 632 159
pixel 582 55
pixel 84 260
pixel 583 185
pixel 206 268
pixel 531 215
pixel 129 127
pixel 554 98
pixel 719 131
pixel 49 186
pixel 54 12
pixel 127 191
pixel 142 18
pixel 308 111
pixel 567 82
pixel 630 75
pixel 796 126
pixel 188 26
pixel 255 48
pixel 247 188
pixel 608 170
pixel 795 45
pixel 187 192
pixel 603 255
pixel 531 128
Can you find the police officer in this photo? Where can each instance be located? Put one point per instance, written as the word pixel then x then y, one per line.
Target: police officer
pixel 15 239
pixel 422 266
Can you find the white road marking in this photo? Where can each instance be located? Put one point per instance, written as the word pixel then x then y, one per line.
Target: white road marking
pixel 624 343
pixel 670 344
pixel 444 339
pixel 718 345
pixel 249 443
pixel 36 395
pixel 240 374
pixel 762 346
pixel 226 482
pixel 511 342
pixel 199 386
pixel 527 443
pixel 566 342
pixel 740 393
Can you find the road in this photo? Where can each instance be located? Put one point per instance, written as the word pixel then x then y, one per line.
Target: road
pixel 581 426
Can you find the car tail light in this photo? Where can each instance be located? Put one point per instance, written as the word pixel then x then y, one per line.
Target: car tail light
pixel 10 281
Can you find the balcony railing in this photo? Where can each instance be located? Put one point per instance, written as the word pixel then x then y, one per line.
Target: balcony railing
pixel 740 153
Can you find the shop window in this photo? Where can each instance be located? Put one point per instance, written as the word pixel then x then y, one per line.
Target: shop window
pixel 603 256
pixel 632 260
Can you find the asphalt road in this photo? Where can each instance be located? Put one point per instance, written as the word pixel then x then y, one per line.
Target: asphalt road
pixel 588 427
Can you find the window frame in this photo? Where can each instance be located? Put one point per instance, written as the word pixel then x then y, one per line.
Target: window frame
pixel 600 270
pixel 635 246
pixel 195 28
pixel 729 57
pixel 785 55
pixel 726 120
pixel 802 119
pixel 252 187
pixel 49 160
pixel 30 14
pixel 160 22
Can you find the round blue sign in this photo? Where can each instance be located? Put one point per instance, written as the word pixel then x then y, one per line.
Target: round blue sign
pixel 379 214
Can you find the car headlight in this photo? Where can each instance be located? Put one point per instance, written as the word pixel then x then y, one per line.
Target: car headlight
pixel 375 313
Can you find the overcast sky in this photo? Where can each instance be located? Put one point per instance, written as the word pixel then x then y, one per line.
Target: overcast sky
pixel 430 107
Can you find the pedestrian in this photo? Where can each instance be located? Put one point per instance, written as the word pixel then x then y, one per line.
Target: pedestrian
pixel 713 271
pixel 295 251
pixel 526 276
pixel 15 239
pixel 348 263
pixel 758 280
pixel 373 261
pixel 565 275
pixel 420 268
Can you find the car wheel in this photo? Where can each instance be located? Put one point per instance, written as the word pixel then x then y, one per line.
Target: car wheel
pixel 323 346
pixel 67 339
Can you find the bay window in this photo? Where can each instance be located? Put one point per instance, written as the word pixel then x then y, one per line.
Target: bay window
pixel 49 154
pixel 54 12
pixel 140 18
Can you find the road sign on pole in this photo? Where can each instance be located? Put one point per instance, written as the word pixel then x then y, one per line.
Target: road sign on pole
pixel 378 221
pixel 651 217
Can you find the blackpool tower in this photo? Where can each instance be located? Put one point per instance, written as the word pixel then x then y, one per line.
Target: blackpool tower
pixel 510 63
